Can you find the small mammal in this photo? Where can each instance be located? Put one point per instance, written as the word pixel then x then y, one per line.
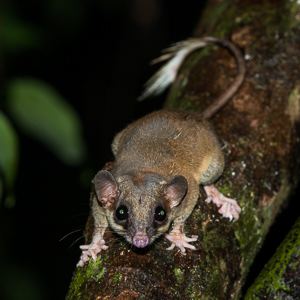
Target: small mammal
pixel 160 160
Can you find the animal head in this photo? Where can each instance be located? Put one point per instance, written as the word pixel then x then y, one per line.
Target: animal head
pixel 139 207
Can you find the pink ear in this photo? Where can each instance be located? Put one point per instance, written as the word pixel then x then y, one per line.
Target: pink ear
pixel 176 190
pixel 106 188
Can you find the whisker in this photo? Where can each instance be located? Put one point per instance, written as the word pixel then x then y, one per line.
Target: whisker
pixel 68 234
pixel 78 239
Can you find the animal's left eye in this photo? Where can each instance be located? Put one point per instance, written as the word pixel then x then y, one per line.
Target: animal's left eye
pixel 122 213
pixel 160 214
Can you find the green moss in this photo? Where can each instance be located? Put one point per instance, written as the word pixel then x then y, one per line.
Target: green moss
pixel 77 282
pixel 252 225
pixel 215 20
pixel 179 275
pixel 187 105
pixel 216 279
pixel 117 278
pixel 248 230
pixel 271 279
pixel 93 270
pixel 291 18
pixel 226 189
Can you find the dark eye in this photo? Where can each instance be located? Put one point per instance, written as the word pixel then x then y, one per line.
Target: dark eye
pixel 122 213
pixel 160 214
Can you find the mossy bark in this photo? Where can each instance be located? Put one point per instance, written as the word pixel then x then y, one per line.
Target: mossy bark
pixel 258 128
pixel 280 278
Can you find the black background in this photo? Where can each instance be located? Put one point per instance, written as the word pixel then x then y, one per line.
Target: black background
pixel 96 54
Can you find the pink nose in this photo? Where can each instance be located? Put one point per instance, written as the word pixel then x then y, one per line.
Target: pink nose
pixel 140 240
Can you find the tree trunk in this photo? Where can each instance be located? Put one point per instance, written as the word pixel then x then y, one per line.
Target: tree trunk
pixel 258 130
pixel 280 278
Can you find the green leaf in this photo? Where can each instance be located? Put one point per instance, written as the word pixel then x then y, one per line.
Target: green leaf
pixel 42 113
pixel 8 153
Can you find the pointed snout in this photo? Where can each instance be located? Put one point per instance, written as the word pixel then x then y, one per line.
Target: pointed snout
pixel 140 240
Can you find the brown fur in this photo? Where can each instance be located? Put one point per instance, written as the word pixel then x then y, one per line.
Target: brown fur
pixel 152 151
pixel 168 143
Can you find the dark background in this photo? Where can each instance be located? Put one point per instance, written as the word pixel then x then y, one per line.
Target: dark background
pixel 96 54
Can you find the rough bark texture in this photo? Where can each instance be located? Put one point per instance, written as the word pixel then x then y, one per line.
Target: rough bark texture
pixel 280 278
pixel 260 137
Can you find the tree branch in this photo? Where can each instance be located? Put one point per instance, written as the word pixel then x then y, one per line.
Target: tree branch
pixel 280 278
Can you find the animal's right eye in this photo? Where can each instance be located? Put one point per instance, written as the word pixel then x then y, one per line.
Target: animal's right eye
pixel 122 213
pixel 160 214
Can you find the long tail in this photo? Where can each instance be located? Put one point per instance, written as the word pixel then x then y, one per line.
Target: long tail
pixel 175 56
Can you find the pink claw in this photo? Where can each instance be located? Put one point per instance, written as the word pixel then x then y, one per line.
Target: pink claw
pixel 228 207
pixel 180 240
pixel 91 251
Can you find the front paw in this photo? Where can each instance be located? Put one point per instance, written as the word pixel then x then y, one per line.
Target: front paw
pixel 91 251
pixel 180 240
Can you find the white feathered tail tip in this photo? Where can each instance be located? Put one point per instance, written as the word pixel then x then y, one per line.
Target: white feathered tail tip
pixel 174 56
